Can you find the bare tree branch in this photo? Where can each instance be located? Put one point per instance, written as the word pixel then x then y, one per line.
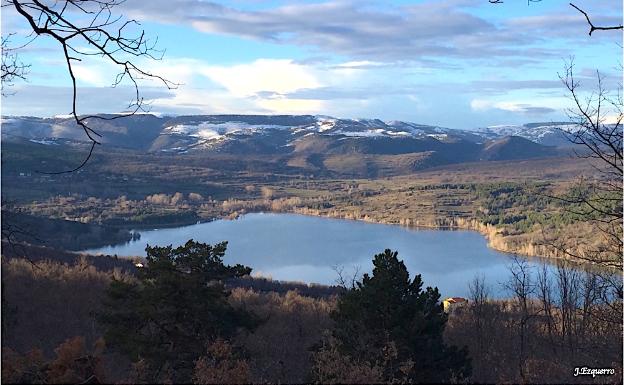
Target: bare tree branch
pixel 592 27
pixel 12 68
pixel 75 23
pixel 596 199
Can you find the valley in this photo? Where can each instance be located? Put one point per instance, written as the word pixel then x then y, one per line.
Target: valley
pixel 311 192
pixel 338 191
pixel 429 177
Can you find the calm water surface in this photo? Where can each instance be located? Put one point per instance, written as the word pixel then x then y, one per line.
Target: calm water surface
pixel 305 248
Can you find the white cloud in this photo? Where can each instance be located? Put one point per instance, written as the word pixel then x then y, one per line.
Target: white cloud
pixel 261 86
pixel 359 64
pixel 189 100
pixel 293 106
pixel 613 118
pixel 386 33
pixel 482 105
pixel 177 70
pixel 262 75
pixel 91 75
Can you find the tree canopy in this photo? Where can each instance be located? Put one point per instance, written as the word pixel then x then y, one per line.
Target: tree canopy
pixel 388 310
pixel 176 307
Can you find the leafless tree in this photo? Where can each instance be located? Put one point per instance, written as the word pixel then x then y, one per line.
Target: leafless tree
pixel 522 287
pixel 545 295
pixel 479 290
pixel 479 293
pixel 593 131
pixel 12 67
pixel 89 28
pixel 596 130
pixel 13 234
pixel 568 282
pixel 345 280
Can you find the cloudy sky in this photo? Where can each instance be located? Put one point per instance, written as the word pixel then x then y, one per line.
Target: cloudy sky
pixel 455 63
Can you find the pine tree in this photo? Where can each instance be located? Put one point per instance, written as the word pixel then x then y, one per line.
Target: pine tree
pixel 388 318
pixel 176 307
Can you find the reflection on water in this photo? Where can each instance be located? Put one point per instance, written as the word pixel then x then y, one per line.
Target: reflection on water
pixel 303 248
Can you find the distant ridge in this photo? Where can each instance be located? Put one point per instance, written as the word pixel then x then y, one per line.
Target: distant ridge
pixel 351 146
pixel 514 147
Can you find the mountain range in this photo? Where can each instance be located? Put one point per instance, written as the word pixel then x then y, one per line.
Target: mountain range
pixel 309 141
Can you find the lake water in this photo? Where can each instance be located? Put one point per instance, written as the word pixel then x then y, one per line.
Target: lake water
pixel 305 248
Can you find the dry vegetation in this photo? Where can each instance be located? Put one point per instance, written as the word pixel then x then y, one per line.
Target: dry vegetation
pixel 45 303
pixel 280 349
pixel 554 321
pixel 567 319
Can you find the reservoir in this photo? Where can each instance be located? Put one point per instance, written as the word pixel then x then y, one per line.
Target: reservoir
pixel 309 249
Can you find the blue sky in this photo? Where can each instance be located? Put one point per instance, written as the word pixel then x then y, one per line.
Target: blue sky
pixel 455 63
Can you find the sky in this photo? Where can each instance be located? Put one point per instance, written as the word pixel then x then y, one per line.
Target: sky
pixel 453 63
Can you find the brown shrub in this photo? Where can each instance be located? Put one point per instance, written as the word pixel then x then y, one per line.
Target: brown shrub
pixel 280 348
pixel 220 366
pixel 46 303
pixel 72 364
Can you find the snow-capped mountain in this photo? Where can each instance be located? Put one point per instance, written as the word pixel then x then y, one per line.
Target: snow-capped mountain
pixel 548 134
pixel 296 135
pixel 299 143
pixel 211 132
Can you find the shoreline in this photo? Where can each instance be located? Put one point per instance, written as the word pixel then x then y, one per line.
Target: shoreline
pixel 494 240
pixel 489 232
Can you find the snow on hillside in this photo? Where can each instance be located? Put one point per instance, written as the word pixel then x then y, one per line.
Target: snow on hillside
pixel 46 142
pixel 211 131
pixel 543 133
pixel 325 124
pixel 192 132
pixel 366 133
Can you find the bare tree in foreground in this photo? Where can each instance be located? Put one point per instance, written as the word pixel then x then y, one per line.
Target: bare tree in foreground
pixel 522 287
pixel 556 317
pixel 82 29
pixel 598 118
pixel 12 67
pixel 597 130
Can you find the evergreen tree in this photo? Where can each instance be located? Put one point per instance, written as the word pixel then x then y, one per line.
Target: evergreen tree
pixel 175 308
pixel 388 318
